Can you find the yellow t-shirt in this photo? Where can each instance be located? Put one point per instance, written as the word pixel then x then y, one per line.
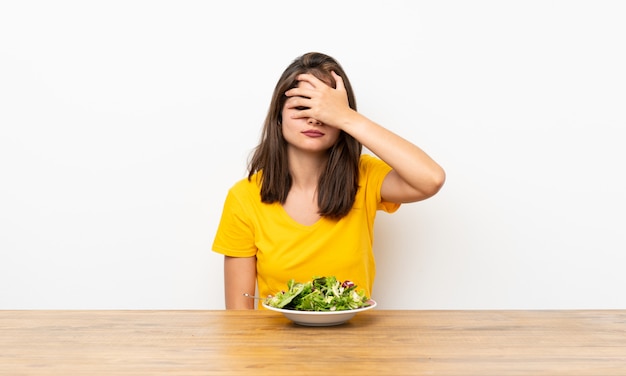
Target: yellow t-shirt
pixel 286 249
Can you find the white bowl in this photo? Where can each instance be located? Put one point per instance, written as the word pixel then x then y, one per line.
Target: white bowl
pixel 320 318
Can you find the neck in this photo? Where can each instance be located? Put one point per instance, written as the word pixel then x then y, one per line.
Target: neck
pixel 306 169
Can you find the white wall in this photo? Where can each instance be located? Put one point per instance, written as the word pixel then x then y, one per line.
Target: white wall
pixel 123 124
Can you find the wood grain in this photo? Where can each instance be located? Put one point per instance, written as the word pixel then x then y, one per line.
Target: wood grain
pixel 376 342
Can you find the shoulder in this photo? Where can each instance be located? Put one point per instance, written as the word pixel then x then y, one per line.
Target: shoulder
pixel 370 164
pixel 246 189
pixel 372 173
pixel 252 183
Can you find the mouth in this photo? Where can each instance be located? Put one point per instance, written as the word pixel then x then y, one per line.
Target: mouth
pixel 313 133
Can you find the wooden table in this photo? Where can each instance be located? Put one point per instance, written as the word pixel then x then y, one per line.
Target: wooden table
pixel 376 342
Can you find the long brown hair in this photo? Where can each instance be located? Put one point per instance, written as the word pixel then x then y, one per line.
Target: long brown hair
pixel 339 182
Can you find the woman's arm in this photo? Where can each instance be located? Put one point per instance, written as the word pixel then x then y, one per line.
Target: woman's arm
pixel 239 278
pixel 415 176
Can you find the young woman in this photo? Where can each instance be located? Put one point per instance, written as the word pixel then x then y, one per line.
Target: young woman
pixel 308 205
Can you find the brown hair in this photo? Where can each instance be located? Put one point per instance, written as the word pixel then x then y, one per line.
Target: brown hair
pixel 338 183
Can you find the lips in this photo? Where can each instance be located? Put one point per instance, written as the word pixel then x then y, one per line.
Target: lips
pixel 312 133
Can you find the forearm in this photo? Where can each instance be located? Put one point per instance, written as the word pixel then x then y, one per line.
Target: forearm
pixel 239 278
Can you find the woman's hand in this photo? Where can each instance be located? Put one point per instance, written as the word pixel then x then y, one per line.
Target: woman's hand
pixel 315 99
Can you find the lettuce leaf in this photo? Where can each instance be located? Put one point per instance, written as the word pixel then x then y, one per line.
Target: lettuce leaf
pixel 319 294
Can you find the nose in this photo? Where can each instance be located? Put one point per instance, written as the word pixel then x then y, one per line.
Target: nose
pixel 314 121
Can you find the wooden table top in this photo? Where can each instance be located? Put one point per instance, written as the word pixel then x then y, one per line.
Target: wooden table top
pixel 376 342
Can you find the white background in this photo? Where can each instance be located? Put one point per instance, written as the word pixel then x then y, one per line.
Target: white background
pixel 123 124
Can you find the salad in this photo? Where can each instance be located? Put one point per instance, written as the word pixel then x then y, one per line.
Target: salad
pixel 319 294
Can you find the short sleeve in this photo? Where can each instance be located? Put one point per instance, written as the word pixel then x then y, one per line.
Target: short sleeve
pixel 235 233
pixel 376 171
